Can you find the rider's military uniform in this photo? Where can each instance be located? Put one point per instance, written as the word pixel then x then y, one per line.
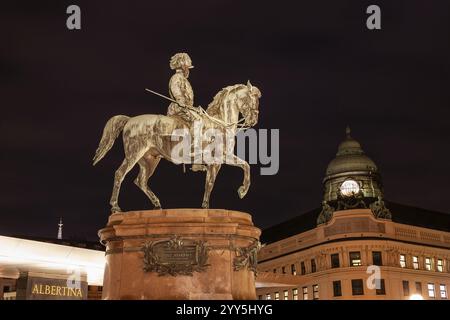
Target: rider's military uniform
pixel 179 87
pixel 181 91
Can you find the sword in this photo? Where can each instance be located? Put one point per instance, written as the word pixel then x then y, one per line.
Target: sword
pixel 171 100
pixel 198 110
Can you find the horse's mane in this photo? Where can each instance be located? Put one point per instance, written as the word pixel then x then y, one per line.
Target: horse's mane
pixel 213 107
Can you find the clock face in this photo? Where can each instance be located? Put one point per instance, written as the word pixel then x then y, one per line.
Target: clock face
pixel 349 188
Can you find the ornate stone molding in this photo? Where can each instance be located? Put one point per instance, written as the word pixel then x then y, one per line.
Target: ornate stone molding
pixel 247 257
pixel 353 202
pixel 379 209
pixel 326 214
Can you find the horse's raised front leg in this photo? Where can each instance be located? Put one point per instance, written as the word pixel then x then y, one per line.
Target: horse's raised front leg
pixel 234 160
pixel 120 174
pixel 211 174
pixel 147 166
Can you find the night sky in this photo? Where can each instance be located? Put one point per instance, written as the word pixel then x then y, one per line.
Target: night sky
pixel 317 65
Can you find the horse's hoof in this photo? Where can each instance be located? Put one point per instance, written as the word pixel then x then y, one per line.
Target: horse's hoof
pixel 115 209
pixel 242 192
pixel 157 208
pixel 205 205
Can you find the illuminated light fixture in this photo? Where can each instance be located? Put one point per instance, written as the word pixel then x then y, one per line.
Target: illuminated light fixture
pixel 416 296
pixel 32 254
pixel 349 188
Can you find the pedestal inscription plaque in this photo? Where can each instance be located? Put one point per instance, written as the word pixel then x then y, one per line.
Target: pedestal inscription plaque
pixel 175 257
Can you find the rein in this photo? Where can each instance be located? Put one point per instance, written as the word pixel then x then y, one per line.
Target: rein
pixel 218 121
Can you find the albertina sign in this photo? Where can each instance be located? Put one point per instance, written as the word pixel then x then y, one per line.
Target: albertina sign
pixel 55 289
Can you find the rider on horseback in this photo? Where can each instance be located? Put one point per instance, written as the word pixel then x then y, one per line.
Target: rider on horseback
pixel 181 91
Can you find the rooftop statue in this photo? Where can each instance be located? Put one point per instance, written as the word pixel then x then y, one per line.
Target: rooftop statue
pixel 150 137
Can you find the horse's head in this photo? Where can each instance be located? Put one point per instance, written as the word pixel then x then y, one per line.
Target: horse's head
pixel 250 104
pixel 232 100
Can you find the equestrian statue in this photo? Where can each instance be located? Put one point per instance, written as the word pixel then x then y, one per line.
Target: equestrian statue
pixel 149 138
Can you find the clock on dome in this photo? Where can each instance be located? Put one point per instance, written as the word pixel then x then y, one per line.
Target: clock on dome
pixel 349 188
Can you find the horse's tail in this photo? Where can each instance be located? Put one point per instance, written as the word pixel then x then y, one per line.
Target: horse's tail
pixel 110 133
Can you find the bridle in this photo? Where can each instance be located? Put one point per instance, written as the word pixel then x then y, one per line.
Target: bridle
pixel 241 123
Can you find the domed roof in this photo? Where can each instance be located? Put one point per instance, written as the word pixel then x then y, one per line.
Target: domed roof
pixel 350 157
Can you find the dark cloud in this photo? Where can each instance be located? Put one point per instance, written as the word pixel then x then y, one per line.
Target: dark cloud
pixel 316 64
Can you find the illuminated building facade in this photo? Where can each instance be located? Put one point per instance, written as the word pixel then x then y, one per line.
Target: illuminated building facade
pixel 50 269
pixel 357 245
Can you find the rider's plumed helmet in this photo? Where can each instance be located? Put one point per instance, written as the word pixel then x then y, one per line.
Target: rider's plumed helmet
pixel 180 60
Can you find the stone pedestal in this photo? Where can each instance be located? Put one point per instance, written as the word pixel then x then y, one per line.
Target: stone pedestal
pixel 180 254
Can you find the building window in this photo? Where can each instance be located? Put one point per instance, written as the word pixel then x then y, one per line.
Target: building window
pixel 428 264
pixel 313 265
pixel 260 297
pixel 402 261
pixel 419 288
pixel 294 294
pixel 283 270
pixel 440 265
pixel 302 267
pixel 443 290
pixel 337 290
pixel 376 258
pixel 274 270
pixel 405 288
pixel 382 290
pixel 431 291
pixel 268 297
pixel 293 270
pixel 355 259
pixel 335 260
pixel 286 295
pixel 416 262
pixel 315 292
pixel 6 288
pixel 277 295
pixel 305 293
pixel 357 287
